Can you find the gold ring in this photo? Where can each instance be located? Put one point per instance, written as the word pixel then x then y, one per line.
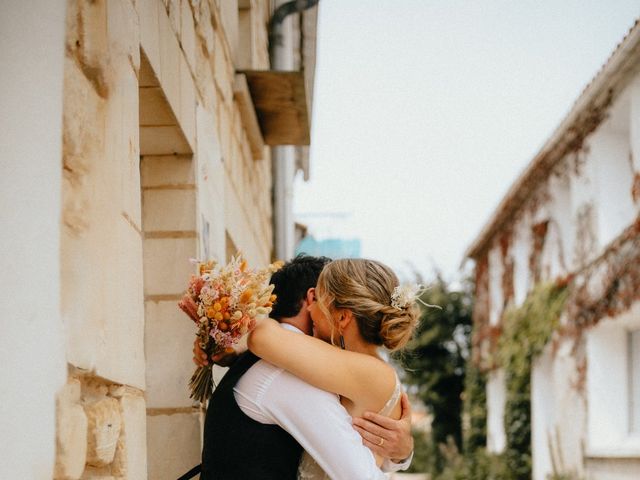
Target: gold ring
pixel 381 441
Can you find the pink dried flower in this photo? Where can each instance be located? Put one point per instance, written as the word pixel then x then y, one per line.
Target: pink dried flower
pixel 188 306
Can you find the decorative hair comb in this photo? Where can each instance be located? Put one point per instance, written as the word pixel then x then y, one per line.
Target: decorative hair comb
pixel 405 295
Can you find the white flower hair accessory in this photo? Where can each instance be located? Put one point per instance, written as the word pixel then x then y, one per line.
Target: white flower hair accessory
pixel 405 295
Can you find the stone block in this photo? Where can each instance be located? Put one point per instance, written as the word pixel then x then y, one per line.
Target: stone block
pixel 188 35
pixel 104 425
pixel 222 71
pixel 205 84
pixel 169 210
pixel 93 473
pixel 188 97
pixel 208 151
pixel 83 126
pixel 244 52
pixel 87 41
pixel 216 243
pixel 121 349
pixel 174 444
pixel 71 433
pixel 229 17
pixel 123 33
pixel 239 227
pixel 148 12
pixel 169 75
pixel 204 28
pixel 169 170
pixel 169 336
pixel 87 213
pixel 154 109
pixel 166 265
pixel 175 12
pixel 122 141
pixel 224 129
pixel 236 122
pixel 163 140
pixel 131 454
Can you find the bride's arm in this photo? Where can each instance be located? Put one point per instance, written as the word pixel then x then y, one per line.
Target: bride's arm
pixel 321 364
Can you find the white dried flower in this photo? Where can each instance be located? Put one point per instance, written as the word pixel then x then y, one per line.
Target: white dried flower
pixel 406 295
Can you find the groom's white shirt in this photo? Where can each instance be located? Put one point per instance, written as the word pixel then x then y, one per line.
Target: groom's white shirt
pixel 314 417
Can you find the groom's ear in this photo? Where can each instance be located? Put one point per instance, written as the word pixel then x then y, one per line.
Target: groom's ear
pixel 310 296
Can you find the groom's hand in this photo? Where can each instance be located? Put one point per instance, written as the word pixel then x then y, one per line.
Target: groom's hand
pixel 385 436
pixel 223 359
pixel 200 358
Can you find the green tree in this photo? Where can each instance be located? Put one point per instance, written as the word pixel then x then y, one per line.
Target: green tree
pixel 435 361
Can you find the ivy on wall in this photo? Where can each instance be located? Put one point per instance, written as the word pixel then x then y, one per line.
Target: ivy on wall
pixel 526 331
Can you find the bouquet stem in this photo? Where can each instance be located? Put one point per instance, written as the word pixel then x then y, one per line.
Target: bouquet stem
pixel 201 384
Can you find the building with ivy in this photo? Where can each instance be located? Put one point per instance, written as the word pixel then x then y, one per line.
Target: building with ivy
pixel 557 312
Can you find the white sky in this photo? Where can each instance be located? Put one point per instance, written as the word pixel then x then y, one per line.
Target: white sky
pixel 425 112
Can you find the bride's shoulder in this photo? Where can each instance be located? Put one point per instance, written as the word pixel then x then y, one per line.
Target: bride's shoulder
pixel 381 378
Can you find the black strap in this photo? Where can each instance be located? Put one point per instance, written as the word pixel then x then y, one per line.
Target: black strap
pixel 191 473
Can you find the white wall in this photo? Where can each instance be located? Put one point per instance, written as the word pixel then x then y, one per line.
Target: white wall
pixel 31 352
pixel 521 249
pixel 496 397
pixel 561 231
pixel 557 412
pixel 634 122
pixel 542 414
pixel 610 148
pixel 583 209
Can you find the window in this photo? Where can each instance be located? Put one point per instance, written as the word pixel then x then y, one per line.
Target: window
pixel 613 386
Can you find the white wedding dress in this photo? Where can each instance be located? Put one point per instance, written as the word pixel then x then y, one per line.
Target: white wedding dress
pixel 308 469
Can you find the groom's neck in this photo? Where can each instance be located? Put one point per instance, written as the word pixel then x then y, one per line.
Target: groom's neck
pixel 302 323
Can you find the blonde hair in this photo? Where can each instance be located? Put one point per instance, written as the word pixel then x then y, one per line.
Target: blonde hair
pixel 364 287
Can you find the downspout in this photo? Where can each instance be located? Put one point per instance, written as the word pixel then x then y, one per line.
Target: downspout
pixel 283 157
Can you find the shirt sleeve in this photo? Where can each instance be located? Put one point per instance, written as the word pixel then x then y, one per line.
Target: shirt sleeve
pixel 389 466
pixel 318 421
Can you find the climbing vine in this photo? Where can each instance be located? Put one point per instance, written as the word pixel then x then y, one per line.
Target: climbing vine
pixel 526 330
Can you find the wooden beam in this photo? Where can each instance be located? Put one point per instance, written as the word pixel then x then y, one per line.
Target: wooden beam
pixel 281 106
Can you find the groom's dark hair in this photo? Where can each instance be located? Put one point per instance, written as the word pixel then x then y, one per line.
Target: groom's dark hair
pixel 292 281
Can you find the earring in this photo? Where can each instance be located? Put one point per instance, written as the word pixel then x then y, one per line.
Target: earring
pixel 341 342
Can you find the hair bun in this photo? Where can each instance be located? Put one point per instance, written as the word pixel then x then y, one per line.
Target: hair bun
pixel 397 327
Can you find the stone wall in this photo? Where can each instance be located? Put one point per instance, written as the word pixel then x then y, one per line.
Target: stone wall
pixel 157 168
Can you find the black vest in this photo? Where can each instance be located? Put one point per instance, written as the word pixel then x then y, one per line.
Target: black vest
pixel 238 447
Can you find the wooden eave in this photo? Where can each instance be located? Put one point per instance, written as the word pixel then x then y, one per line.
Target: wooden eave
pixel 280 104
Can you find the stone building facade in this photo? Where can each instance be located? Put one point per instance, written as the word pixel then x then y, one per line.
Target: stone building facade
pixel 573 218
pixel 138 135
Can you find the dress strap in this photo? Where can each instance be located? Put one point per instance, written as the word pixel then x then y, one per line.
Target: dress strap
pixel 395 396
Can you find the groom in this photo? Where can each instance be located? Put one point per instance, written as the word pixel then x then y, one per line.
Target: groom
pixel 261 417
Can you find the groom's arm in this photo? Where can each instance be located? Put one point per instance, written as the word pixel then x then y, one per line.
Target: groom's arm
pixel 395 436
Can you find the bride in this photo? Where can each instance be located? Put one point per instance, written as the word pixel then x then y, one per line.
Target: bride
pixel 357 307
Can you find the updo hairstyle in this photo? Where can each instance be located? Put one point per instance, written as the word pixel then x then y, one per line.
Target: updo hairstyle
pixel 364 287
